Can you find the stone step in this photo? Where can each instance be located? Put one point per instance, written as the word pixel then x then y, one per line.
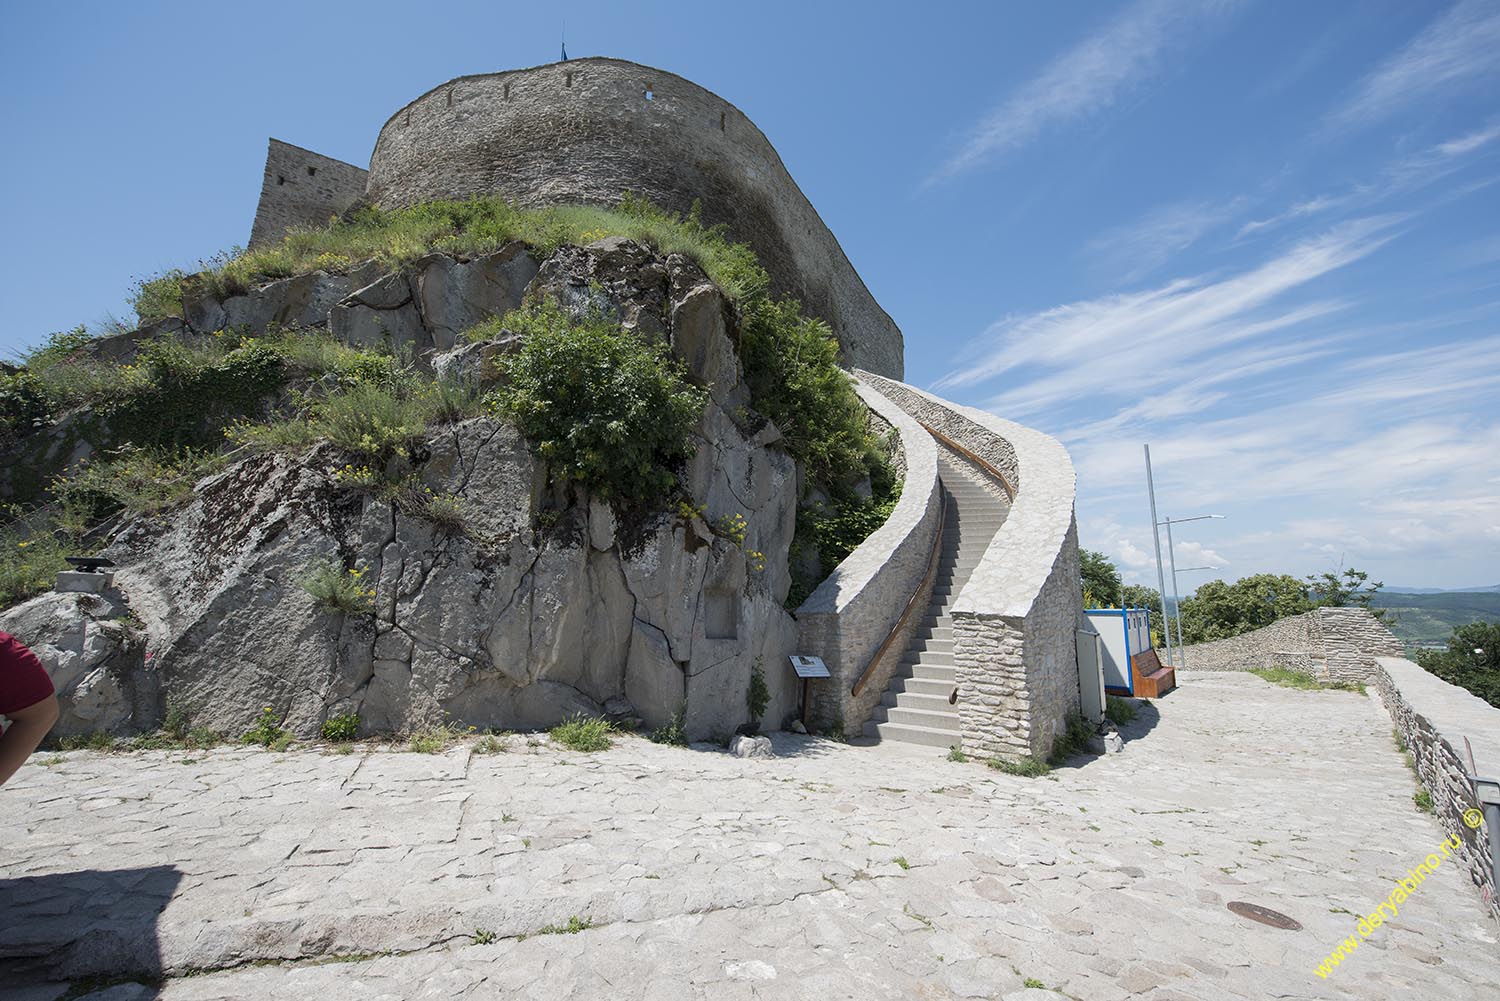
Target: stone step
pixel 937 658
pixel 946 720
pixel 932 645
pixel 932 702
pixel 945 673
pixel 910 734
pixel 927 632
pixel 925 686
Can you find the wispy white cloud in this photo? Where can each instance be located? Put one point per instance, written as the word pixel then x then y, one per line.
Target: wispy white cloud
pixel 1459 49
pixel 1134 344
pixel 1140 247
pixel 1470 142
pixel 1301 210
pixel 1401 176
pixel 1378 457
pixel 1085 80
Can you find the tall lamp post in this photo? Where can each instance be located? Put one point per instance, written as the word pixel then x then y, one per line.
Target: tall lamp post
pixel 1177 609
pixel 1161 580
pixel 1172 560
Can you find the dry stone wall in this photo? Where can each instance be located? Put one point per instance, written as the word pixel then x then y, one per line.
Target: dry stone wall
pixel 1294 642
pixel 1331 644
pixel 852 611
pixel 1352 640
pixel 1433 719
pixel 589 130
pixel 1014 622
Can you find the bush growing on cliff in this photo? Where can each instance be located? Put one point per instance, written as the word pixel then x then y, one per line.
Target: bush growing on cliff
pixel 177 395
pixel 23 404
pixel 30 558
pixel 140 481
pixel 157 298
pixel 791 364
pixel 337 590
pixel 62 376
pixel 833 530
pixel 604 408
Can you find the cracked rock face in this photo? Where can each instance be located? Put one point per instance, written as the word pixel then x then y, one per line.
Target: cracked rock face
pixel 500 623
pixel 96 662
pixel 497 625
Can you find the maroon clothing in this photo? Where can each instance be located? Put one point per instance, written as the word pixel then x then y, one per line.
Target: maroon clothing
pixel 23 679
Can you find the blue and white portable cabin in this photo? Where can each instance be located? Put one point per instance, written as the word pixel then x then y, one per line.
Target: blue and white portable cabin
pixel 1124 635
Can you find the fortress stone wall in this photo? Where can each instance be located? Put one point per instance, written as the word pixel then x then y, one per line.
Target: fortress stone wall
pixel 302 189
pixel 587 131
pixel 1332 644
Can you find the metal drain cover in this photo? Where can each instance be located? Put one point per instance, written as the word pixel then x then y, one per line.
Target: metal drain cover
pixel 1264 915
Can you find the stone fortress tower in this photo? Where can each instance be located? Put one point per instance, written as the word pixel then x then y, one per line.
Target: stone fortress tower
pixel 983 537
pixel 586 131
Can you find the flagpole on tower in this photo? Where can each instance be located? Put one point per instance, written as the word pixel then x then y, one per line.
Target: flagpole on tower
pixel 564 39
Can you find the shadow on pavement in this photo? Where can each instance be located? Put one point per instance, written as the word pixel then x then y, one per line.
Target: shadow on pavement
pixel 1146 718
pixel 92 923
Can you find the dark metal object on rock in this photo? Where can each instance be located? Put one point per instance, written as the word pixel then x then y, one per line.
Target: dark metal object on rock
pixel 89 564
pixel 1266 916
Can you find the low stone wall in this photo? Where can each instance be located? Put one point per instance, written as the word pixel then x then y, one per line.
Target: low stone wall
pixel 1352 640
pixel 850 614
pixel 1433 718
pixel 1014 622
pixel 1332 644
pixel 1291 642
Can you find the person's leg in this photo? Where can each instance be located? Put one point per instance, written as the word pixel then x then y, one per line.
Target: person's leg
pixel 27 728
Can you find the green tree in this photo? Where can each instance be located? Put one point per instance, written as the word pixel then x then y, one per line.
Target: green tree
pixel 1472 660
pixel 1349 589
pixel 1219 610
pixel 1140 596
pixel 1101 581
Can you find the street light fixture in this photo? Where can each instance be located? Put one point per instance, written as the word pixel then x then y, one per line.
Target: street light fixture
pixel 1177 608
pixel 1172 560
pixel 1161 582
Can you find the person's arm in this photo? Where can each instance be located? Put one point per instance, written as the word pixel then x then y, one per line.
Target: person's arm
pixel 27 728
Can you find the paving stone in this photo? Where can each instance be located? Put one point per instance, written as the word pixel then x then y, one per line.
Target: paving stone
pixel 692 876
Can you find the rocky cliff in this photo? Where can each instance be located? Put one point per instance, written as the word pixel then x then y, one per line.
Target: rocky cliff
pixel 534 602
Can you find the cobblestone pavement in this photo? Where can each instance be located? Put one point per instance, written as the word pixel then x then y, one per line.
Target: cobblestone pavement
pixel 827 872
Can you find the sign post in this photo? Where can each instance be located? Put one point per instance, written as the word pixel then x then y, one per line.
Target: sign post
pixel 807 668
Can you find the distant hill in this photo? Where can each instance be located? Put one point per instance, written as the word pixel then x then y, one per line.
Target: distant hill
pixel 1399 589
pixel 1427 617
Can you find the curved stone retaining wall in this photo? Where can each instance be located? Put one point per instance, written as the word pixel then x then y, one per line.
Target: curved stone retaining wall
pixel 1014 622
pixel 850 614
pixel 1433 718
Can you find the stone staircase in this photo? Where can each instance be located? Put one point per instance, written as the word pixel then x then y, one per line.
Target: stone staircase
pixel 915 708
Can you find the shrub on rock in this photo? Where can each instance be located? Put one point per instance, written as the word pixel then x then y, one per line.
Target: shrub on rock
pixel 604 408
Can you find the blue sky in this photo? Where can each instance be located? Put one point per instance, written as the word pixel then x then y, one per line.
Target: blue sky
pixel 1264 237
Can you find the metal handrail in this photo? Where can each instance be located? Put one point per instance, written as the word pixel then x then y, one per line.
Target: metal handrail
pixel 1010 491
pixel 932 564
